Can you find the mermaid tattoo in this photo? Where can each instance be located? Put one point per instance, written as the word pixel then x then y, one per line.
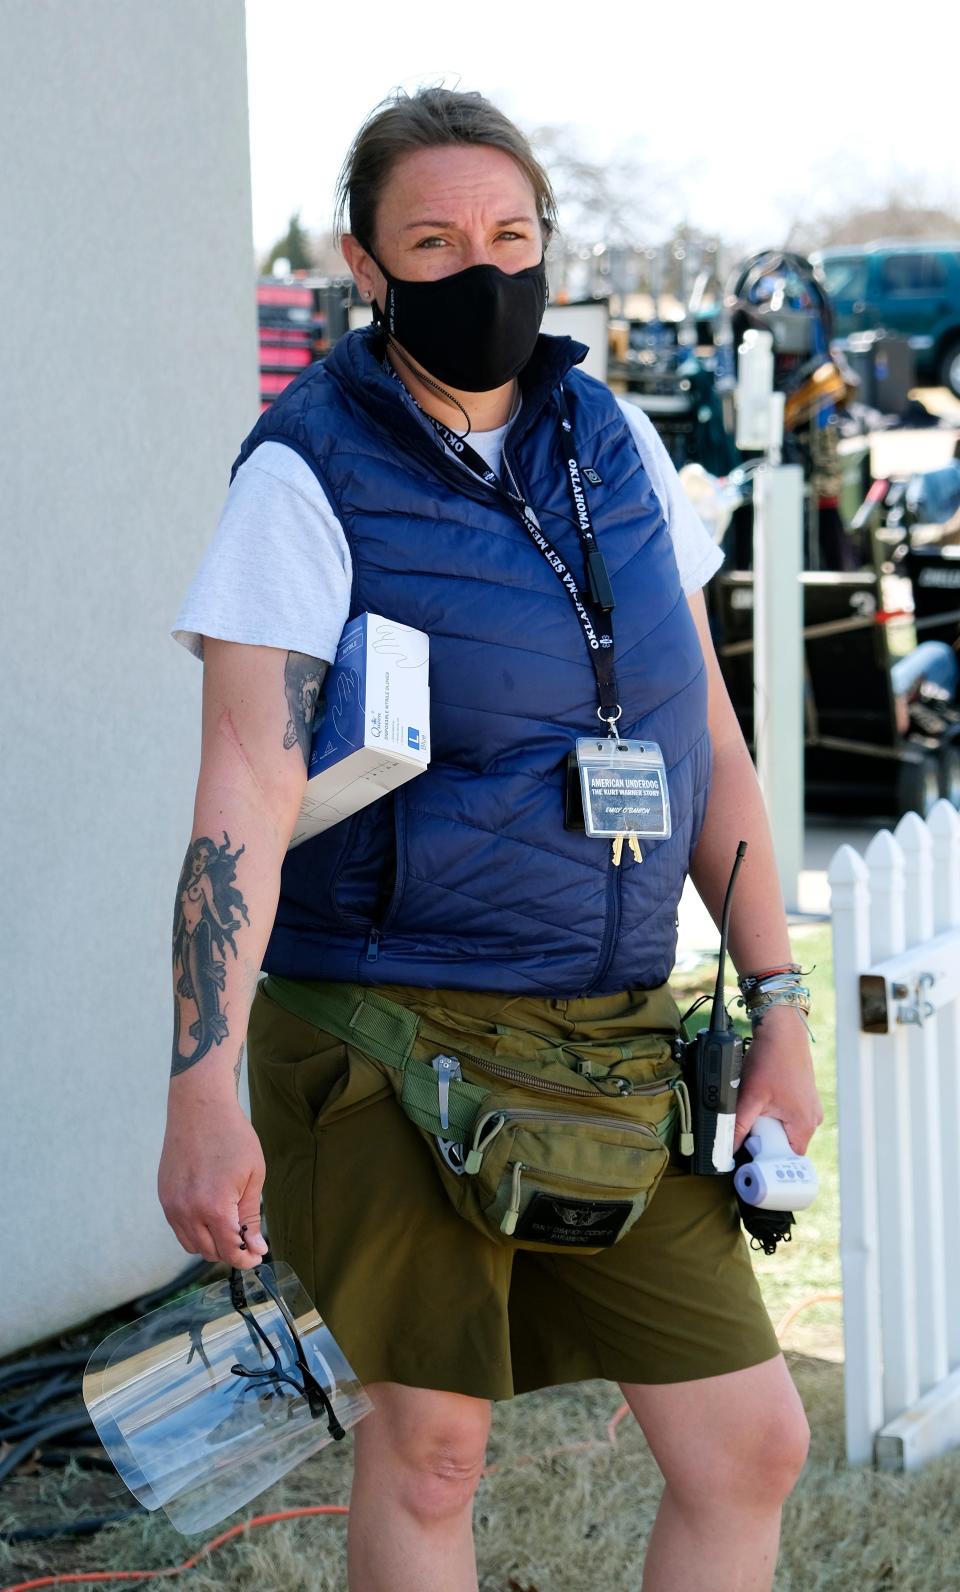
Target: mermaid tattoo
pixel 204 925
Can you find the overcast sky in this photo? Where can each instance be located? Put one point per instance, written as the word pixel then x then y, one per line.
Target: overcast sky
pixel 745 118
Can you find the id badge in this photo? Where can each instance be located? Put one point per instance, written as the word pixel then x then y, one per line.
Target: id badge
pixel 624 788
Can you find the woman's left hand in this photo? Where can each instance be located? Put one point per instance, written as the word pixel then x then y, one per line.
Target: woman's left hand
pixel 778 1079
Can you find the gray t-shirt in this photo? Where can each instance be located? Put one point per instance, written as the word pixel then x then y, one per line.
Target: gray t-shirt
pixel 278 572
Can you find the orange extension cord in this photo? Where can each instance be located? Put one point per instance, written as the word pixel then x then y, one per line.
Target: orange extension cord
pixel 341 1509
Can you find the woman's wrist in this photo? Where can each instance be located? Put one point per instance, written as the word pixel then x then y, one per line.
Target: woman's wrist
pixel 779 1017
pixel 771 988
pixel 755 975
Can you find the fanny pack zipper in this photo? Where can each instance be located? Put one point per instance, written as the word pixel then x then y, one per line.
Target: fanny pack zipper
pixel 527 1081
pixel 495 1120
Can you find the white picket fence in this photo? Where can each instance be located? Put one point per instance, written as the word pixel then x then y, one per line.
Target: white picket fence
pixel 896 948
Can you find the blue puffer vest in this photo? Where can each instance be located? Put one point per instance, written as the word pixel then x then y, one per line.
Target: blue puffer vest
pixel 466 878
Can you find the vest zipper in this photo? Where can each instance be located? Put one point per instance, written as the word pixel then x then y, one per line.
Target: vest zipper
pixel 612 924
pixel 447 463
pixel 611 927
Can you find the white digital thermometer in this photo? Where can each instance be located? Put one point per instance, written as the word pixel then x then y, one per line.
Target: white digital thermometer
pixel 777 1179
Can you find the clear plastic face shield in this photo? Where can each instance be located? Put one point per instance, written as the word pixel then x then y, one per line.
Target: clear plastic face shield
pixel 210 1399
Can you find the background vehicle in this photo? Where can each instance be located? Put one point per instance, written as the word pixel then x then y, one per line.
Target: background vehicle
pixel 911 288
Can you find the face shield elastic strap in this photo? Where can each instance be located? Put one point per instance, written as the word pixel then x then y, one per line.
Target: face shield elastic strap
pixel 309 1388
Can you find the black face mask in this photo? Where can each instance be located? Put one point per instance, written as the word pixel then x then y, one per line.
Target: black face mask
pixel 473 330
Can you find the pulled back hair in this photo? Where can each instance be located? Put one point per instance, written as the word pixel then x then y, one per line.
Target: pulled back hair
pixel 432 117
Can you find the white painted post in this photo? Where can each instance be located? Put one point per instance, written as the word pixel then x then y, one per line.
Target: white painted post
pixel 863 1369
pixel 895 1212
pixel 921 1062
pixel 944 827
pixel 778 662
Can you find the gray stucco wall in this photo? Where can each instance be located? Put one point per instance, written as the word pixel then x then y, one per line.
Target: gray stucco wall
pixel 127 379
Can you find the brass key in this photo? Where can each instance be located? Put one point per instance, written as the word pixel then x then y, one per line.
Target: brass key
pixel 617 849
pixel 634 845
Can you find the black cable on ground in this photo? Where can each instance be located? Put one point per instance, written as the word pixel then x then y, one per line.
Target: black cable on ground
pixel 57 1458
pixel 35 1426
pixel 53 1428
pixel 31 1370
pixel 21 1417
pixel 13 1415
pixel 72 1528
pixel 29 1423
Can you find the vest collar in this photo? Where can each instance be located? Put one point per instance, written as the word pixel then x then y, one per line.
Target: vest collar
pixel 357 364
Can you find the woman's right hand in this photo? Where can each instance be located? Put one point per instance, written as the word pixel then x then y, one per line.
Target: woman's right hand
pixel 210 1180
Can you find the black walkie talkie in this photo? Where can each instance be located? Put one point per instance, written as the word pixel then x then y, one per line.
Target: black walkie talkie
pixel 713 1064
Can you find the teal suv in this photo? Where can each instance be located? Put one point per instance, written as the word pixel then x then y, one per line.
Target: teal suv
pixel 909 288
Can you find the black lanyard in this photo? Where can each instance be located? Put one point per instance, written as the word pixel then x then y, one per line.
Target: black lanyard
pixel 594 606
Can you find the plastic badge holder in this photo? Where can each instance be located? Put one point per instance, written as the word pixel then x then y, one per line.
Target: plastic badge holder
pixel 198 1439
pixel 624 787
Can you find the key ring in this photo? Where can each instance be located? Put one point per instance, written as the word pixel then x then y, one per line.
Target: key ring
pixel 610 720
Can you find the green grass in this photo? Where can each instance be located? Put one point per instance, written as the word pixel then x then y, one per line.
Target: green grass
pixel 810 1262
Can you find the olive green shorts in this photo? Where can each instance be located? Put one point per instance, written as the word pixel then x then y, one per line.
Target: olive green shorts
pixel 415 1294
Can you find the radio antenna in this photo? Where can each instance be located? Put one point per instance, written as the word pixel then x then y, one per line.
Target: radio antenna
pixel 719 1021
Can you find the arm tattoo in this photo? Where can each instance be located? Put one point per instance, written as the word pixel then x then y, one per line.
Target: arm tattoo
pixel 302 680
pixel 204 924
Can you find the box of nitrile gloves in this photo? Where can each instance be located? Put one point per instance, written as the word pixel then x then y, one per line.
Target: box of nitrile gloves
pixel 373 724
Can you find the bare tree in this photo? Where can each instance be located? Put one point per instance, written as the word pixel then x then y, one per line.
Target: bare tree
pixel 619 201
pixel 902 210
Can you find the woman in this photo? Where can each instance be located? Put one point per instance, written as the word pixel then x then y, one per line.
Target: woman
pixel 480 919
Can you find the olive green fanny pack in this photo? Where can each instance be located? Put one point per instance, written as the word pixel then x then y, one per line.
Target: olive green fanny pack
pixel 540 1151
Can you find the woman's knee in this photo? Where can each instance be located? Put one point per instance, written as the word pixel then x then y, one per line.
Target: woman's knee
pixel 741 1439
pixel 759 1460
pixel 427 1448
pixel 770 1457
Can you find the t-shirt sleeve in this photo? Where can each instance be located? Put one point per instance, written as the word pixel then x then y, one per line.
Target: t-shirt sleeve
pixel 698 556
pixel 278 571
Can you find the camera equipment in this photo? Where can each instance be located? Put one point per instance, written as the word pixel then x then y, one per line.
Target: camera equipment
pixel 713 1064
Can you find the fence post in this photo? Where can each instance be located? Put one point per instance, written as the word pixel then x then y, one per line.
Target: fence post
pixel 778 662
pixel 921 1061
pixel 944 827
pixel 863 1369
pixel 895 1212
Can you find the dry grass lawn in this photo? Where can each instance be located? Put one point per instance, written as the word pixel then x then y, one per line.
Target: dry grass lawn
pixel 577 1521
pixel 574 1523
